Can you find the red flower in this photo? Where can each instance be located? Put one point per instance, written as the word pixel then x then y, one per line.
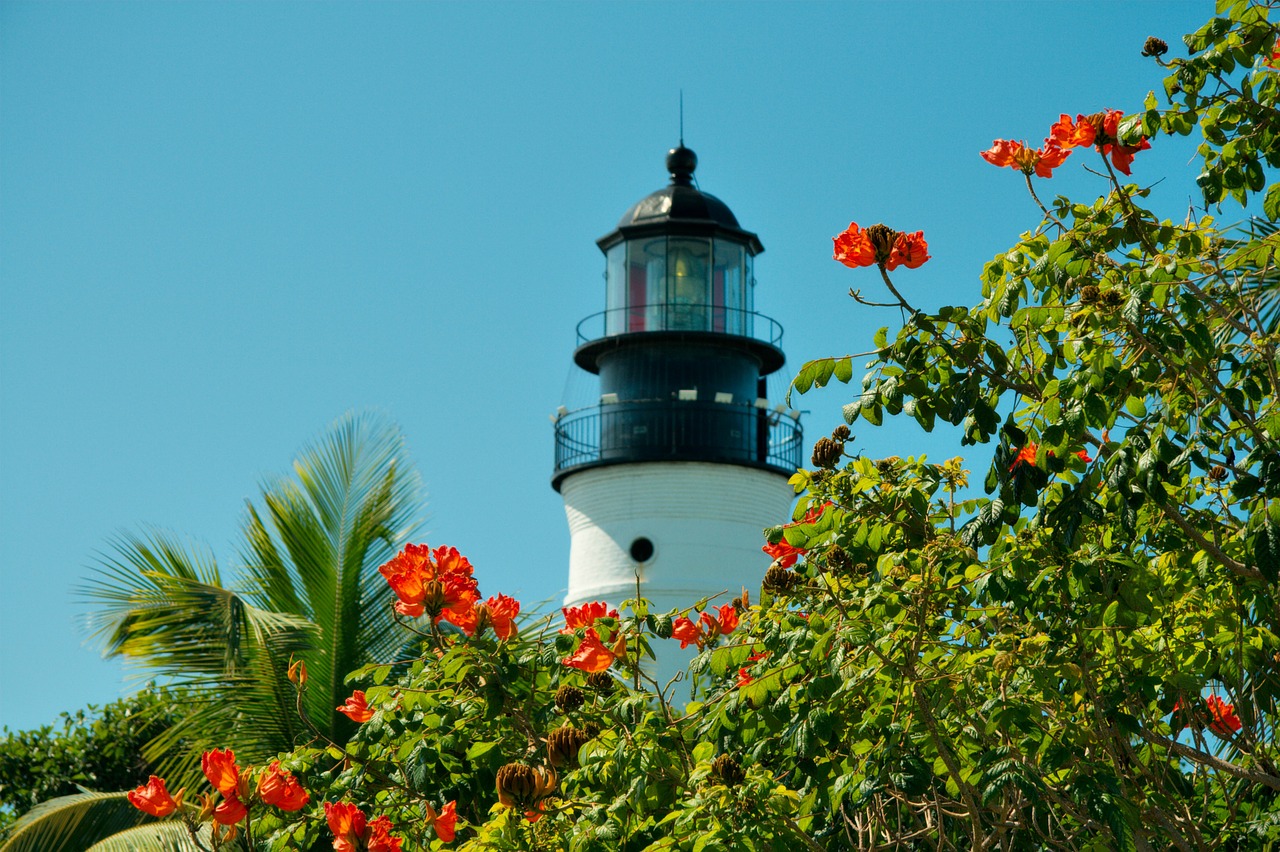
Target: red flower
pixel 744 678
pixel 1001 152
pixel 1223 720
pixel 446 822
pixel 1027 454
pixel 707 629
pixel 219 766
pixel 438 583
pixel 1068 134
pixel 153 798
pixel 784 554
pixel 728 618
pixel 378 836
pixel 280 789
pixel 592 656
pixel 229 811
pixel 502 616
pixel 1122 155
pixel 348 823
pixel 853 248
pixel 909 250
pixel 1084 456
pixel 585 615
pixel 686 631
pixel 356 708
pixel 1015 155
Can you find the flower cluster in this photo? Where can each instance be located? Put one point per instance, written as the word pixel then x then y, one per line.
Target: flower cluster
pixel 593 656
pixel 439 583
pixel 233 793
pixel 586 615
pixel 784 555
pixel 356 708
pixel 880 245
pixel 1223 720
pixel 706 629
pixel 1027 455
pixel 1100 130
pixel 354 832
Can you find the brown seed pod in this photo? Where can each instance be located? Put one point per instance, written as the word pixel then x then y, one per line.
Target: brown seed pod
pixel 600 682
pixel 1217 473
pixel 827 453
pixel 523 787
pixel 1154 47
pixel 570 698
pixel 728 770
pixel 778 580
pixel 563 745
pixel 882 238
pixel 840 433
pixel 1089 294
pixel 838 560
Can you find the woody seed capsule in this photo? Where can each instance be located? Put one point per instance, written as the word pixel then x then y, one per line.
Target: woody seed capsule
pixel 1154 47
pixel 728 770
pixel 563 745
pixel 827 453
pixel 570 698
pixel 600 682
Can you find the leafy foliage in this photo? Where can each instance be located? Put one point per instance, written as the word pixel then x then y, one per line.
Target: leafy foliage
pixel 1086 657
pixel 95 748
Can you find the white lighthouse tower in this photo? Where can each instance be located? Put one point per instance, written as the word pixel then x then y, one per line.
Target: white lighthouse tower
pixel 672 474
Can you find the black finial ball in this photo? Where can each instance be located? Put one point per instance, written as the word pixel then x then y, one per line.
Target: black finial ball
pixel 681 162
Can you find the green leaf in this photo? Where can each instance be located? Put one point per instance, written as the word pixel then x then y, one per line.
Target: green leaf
pixel 1271 202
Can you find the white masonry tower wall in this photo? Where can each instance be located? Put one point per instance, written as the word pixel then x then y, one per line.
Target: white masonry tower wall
pixel 670 477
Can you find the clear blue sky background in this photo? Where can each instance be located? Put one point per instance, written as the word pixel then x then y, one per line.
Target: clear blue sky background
pixel 224 225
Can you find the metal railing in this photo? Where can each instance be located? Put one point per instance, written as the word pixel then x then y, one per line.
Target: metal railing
pixel 678 430
pixel 669 316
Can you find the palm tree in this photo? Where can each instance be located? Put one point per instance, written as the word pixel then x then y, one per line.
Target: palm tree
pixel 308 588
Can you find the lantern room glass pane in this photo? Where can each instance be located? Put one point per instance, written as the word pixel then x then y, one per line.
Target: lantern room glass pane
pixel 646 283
pixel 728 288
pixel 615 276
pixel 688 284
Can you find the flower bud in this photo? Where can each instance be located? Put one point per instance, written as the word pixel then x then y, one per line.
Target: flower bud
pixel 570 698
pixel 601 682
pixel 563 745
pixel 840 433
pixel 778 580
pixel 1217 473
pixel 523 787
pixel 882 239
pixel 728 770
pixel 838 560
pixel 1154 47
pixel 298 672
pixel 1089 294
pixel 827 453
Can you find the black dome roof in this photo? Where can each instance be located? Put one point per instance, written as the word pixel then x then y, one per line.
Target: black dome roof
pixel 680 208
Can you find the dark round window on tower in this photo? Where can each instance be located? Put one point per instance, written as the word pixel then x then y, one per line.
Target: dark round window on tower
pixel 641 549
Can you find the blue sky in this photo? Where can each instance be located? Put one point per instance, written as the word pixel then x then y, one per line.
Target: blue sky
pixel 224 225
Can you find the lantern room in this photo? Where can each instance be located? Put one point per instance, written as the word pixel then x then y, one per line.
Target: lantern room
pixel 678 261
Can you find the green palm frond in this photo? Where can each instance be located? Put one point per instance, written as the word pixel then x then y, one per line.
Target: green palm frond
pixel 351 504
pixel 72 822
pixel 309 588
pixel 166 836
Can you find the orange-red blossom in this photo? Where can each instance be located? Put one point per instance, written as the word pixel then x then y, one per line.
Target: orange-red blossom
pixel 585 615
pixel 707 629
pixel 280 789
pixel 356 708
pixel 1102 130
pixel 444 821
pixel 1017 155
pixel 497 612
pixel 1027 455
pixel 785 555
pixel 437 583
pixel 855 247
pixel 154 799
pixel 592 656
pixel 354 832
pixel 1223 720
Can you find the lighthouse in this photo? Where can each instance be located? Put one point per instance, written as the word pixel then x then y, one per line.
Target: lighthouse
pixel 670 475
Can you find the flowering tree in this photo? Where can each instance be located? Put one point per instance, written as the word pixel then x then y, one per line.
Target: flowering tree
pixel 1084 658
